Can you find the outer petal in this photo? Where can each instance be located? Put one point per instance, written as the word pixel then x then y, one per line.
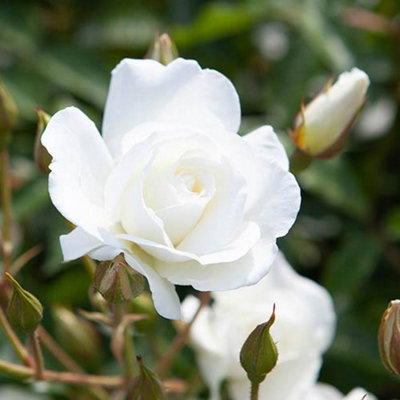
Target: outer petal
pixel 222 276
pixel 77 243
pixel 179 93
pixel 80 166
pixel 266 144
pixel 278 201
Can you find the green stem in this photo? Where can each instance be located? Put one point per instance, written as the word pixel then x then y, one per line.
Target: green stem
pixel 6 209
pixel 37 355
pixel 254 391
pixel 129 355
pixel 11 336
pixel 299 161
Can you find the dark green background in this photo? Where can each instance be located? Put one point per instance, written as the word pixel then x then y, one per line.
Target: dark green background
pixel 59 53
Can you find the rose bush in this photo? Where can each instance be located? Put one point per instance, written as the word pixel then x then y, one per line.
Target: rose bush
pixel 171 184
pixel 303 330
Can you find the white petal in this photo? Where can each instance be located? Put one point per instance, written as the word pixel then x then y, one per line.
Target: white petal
pixel 223 216
pixel 78 243
pixel 234 251
pixel 179 93
pixel 165 299
pixel 266 144
pixel 80 166
pixel 222 276
pixel 278 199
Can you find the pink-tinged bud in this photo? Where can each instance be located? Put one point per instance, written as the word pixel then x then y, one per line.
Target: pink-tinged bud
pixel 259 354
pixel 117 281
pixel 8 115
pixel 321 127
pixel 24 310
pixel 389 337
pixel 163 49
pixel 146 386
pixel 42 156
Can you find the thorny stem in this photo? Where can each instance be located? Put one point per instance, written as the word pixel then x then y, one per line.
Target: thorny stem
pixel 180 339
pixel 37 355
pixel 6 209
pixel 11 336
pixel 254 391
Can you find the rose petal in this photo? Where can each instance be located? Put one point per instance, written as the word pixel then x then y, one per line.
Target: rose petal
pixel 77 178
pixel 180 93
pixel 223 216
pixel 235 250
pixel 278 199
pixel 222 276
pixel 266 144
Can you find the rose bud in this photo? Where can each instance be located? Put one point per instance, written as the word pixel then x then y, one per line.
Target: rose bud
pixel 117 281
pixel 259 354
pixel 42 156
pixel 8 115
pixel 147 385
pixel 321 127
pixel 389 337
pixel 24 310
pixel 162 49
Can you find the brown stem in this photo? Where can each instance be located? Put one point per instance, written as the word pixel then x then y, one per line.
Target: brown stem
pixel 23 372
pixel 66 360
pixel 254 391
pixel 37 355
pixel 180 339
pixel 7 246
pixel 54 348
pixel 11 336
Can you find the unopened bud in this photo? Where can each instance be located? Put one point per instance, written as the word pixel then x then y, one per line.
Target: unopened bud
pixel 146 386
pixel 8 115
pixel 259 354
pixel 77 336
pixel 117 281
pixel 42 156
pixel 389 337
pixel 163 49
pixel 24 310
pixel 321 127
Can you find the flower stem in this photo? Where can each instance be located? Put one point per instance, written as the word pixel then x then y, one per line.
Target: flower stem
pixel 129 356
pixel 23 372
pixel 7 246
pixel 11 336
pixel 54 348
pixel 37 355
pixel 180 339
pixel 254 391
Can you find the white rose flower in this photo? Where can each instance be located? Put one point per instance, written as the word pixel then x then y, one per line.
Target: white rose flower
pixel 303 330
pixel 321 127
pixel 171 184
pixel 326 392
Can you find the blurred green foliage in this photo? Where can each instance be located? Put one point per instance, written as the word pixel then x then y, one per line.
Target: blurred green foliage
pixel 57 53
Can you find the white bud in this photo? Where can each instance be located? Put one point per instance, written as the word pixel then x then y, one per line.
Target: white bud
pixel 322 125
